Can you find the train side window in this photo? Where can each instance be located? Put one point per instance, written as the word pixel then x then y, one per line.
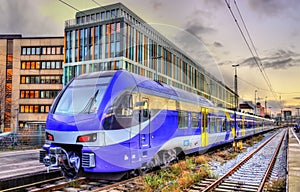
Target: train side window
pixel 195 120
pixel 232 124
pixel 224 122
pixel 246 124
pixel 240 123
pixel 218 124
pixel 250 124
pixel 124 105
pixel 212 124
pixel 182 119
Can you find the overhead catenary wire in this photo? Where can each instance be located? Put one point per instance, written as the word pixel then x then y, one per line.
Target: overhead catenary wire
pixel 69 5
pixel 254 48
pixel 96 3
pixel 255 56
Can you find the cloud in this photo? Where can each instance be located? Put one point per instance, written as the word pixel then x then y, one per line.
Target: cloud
pixel 197 28
pixel 280 59
pixel 272 7
pixel 297 98
pixel 194 47
pixel 157 5
pixel 217 44
pixel 214 4
pixel 269 7
pixel 26 18
pixel 226 63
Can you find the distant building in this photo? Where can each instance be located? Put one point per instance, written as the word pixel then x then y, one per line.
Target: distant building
pixel 247 107
pixel 31 72
pixel 113 37
pixel 260 110
pixel 287 114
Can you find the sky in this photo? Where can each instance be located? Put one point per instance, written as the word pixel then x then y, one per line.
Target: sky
pixel 207 30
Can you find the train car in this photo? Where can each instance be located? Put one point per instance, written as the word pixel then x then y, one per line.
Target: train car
pixel 116 122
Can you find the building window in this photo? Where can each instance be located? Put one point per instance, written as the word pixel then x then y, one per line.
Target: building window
pixel 23 50
pixel 102 15
pixel 33 51
pixel 37 64
pixel 53 50
pixel 107 14
pixel 38 94
pixel 41 79
pixel 34 108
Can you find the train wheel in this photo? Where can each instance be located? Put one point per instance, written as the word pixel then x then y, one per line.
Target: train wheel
pixel 169 156
pixel 154 163
pixel 70 167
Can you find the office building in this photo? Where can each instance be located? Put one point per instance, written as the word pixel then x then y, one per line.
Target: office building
pixel 31 77
pixel 113 37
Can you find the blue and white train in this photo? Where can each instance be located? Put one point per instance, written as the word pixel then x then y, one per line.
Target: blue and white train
pixel 118 122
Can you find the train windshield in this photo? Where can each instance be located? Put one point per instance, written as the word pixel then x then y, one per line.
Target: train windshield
pixel 83 96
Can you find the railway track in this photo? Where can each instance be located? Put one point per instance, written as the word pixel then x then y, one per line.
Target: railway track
pixel 83 184
pixel 251 173
pixel 27 187
pixel 136 184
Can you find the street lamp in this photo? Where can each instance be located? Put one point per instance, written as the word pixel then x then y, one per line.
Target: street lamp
pixel 235 86
pixel 255 102
pixel 266 105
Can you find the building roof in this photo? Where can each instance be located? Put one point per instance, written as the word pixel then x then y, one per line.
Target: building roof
pixel 10 36
pixel 246 105
pixel 19 36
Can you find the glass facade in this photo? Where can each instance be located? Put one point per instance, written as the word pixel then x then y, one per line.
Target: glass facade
pixel 118 39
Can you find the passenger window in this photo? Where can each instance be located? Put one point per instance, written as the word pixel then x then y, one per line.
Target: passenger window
pixel 224 122
pixel 182 119
pixel 218 124
pixel 195 120
pixel 212 124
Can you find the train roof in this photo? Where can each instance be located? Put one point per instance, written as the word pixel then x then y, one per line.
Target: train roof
pixel 153 87
pixel 167 91
pixel 96 74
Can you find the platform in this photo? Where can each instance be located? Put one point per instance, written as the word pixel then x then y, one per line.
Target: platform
pixel 293 157
pixel 16 163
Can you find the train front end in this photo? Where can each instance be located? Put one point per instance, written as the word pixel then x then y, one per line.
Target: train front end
pixel 74 130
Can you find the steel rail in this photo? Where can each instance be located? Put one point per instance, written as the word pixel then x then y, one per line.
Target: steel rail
pixel 231 171
pixel 81 179
pixel 58 186
pixel 114 185
pixel 262 184
pixel 31 184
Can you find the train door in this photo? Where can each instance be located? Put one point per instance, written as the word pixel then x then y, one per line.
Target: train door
pixel 243 126
pixel 144 124
pixel 204 133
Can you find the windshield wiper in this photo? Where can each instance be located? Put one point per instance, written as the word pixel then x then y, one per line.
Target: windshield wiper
pixel 88 106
